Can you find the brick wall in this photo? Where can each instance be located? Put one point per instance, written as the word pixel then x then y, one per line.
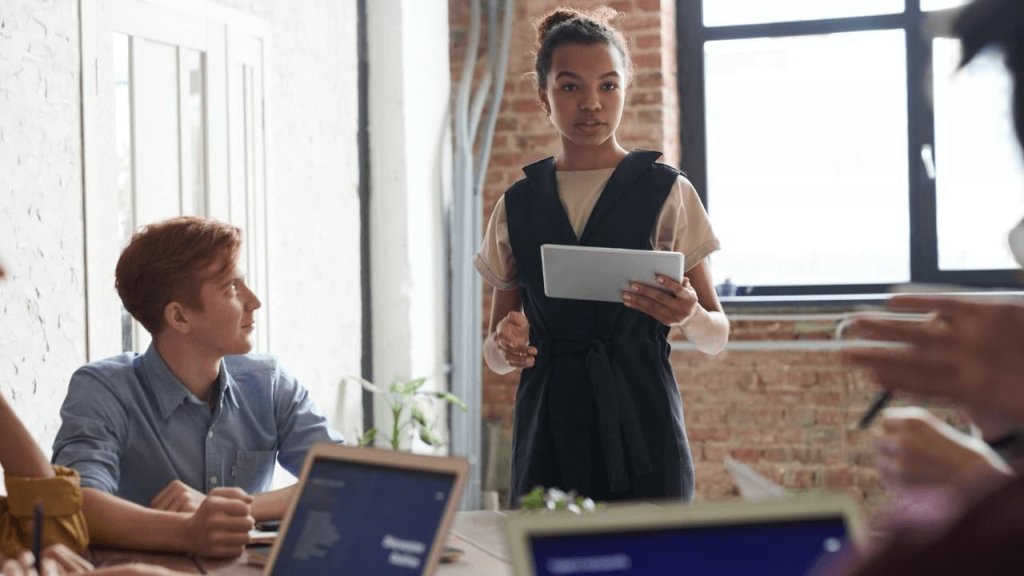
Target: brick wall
pixel 786 413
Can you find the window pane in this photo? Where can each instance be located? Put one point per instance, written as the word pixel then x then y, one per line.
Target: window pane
pixel 942 4
pixel 123 145
pixel 732 12
pixel 807 158
pixel 194 133
pixel 979 172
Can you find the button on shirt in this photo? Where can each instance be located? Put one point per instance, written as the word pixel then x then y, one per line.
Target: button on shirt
pixel 130 427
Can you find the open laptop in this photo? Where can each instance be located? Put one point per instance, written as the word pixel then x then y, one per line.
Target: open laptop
pixel 366 511
pixel 789 537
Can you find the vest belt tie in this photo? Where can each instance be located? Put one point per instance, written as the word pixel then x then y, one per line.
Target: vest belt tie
pixel 618 424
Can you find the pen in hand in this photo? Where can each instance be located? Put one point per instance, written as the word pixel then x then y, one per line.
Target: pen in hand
pixel 37 537
pixel 880 401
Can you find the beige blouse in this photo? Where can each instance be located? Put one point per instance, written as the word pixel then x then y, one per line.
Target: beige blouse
pixel 682 226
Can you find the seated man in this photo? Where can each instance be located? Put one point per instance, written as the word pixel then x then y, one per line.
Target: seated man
pixel 153 434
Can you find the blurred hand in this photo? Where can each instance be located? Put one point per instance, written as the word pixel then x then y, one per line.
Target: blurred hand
pixel 220 527
pixel 66 560
pixel 178 497
pixel 972 352
pixel 512 339
pixel 916 448
pixel 669 308
pixel 25 565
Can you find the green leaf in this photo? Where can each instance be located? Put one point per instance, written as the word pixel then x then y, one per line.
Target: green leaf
pixel 411 386
pixel 418 416
pixel 534 500
pixel 368 438
pixel 429 437
pixel 452 398
pixel 394 389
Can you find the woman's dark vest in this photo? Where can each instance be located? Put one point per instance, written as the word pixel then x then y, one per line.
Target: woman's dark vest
pixel 599 412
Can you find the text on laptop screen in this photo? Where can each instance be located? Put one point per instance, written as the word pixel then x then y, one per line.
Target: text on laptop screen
pixel 786 548
pixel 355 518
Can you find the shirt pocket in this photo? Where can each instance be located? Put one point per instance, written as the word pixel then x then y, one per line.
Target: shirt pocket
pixel 254 470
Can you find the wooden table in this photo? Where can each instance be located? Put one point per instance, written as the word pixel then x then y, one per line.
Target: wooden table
pixel 481 535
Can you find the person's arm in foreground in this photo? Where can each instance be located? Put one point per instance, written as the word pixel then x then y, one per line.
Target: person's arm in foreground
pixel 972 352
pixel 917 448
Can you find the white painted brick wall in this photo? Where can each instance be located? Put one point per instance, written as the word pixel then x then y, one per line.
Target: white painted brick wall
pixel 314 299
pixel 42 329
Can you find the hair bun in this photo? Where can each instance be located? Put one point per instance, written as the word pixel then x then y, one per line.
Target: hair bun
pixel 546 24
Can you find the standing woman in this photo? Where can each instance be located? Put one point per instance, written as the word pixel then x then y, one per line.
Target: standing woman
pixel 597 408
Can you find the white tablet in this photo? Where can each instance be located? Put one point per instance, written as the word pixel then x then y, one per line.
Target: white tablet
pixel 587 273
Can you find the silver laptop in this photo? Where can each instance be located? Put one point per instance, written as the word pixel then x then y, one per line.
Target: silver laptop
pixel 367 511
pixel 789 537
pixel 587 273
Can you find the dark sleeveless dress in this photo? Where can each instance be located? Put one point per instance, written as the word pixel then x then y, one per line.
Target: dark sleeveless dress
pixel 599 412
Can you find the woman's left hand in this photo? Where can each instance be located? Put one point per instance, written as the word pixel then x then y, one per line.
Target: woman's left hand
pixel 669 308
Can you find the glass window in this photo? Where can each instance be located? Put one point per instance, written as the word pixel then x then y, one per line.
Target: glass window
pixel 733 12
pixel 807 158
pixel 979 188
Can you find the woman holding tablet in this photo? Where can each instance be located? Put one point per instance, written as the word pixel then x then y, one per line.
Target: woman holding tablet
pixel 597 408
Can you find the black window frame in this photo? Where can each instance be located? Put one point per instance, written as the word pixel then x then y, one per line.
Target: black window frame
pixel 920 29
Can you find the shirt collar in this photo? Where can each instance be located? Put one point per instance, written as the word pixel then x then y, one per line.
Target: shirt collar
pixel 170 393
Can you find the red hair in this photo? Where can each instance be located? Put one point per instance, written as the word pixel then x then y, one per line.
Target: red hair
pixel 164 263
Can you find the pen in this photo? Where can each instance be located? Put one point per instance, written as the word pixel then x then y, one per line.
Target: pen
pixel 37 537
pixel 877 404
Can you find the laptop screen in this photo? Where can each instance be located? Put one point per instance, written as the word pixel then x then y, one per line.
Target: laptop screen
pixel 785 548
pixel 357 518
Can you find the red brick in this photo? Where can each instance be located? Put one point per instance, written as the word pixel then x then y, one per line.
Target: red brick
pixel 645 98
pixel 647 61
pixel 747 454
pixel 647 42
pixel 824 435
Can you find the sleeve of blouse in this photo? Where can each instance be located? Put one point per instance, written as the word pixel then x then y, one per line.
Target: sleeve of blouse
pixel 495 261
pixel 683 225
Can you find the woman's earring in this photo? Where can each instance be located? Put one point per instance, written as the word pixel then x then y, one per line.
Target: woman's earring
pixel 548 111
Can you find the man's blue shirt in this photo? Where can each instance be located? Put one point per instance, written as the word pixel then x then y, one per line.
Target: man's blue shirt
pixel 130 427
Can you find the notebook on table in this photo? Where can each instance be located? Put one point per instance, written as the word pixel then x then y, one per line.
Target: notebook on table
pixel 366 511
pixel 789 537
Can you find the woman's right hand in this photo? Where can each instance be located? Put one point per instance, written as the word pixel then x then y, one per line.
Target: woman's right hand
pixel 512 340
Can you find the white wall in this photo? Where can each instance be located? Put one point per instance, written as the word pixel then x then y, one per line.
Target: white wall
pixel 314 299
pixel 42 327
pixel 410 160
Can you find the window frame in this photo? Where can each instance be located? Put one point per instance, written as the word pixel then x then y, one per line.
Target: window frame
pixel 920 29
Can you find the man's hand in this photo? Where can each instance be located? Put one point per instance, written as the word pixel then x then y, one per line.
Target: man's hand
pixel 178 497
pixel 669 308
pixel 512 339
pixel 220 527
pixel 972 352
pixel 916 448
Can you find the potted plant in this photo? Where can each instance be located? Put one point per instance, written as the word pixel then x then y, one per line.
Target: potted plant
pixel 403 398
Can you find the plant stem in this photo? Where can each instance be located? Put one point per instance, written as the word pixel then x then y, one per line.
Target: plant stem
pixel 396 439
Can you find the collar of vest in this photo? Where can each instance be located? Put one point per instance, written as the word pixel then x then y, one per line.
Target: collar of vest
pixel 541 176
